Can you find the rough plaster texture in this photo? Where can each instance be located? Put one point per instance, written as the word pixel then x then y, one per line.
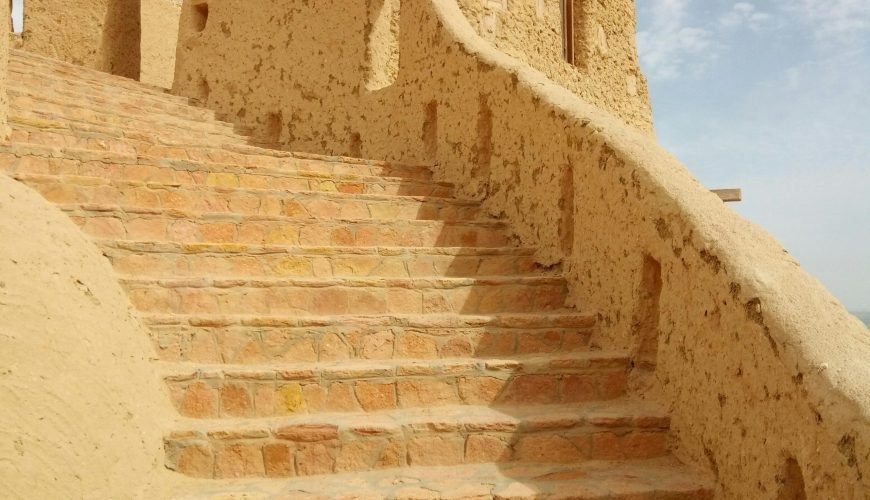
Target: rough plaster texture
pixel 73 33
pixel 131 38
pixel 4 62
pixel 606 70
pixel 81 406
pixel 764 370
pixel 159 39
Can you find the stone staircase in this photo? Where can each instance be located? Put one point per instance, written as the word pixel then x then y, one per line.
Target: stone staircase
pixel 345 319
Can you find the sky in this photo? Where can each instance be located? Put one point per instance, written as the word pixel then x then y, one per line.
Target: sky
pixel 773 96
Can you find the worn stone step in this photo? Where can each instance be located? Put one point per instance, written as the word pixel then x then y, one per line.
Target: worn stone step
pixel 76 189
pixel 154 259
pixel 277 339
pixel 336 296
pixel 219 165
pixel 640 479
pixel 88 75
pixel 59 109
pixel 353 442
pixel 131 223
pixel 28 80
pixel 226 391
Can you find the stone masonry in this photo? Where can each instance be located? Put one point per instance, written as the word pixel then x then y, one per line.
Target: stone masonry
pixel 346 319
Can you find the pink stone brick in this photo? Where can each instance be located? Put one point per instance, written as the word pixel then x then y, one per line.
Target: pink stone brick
pixel 238 460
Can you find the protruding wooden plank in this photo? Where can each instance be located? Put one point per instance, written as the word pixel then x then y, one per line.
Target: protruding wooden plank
pixel 729 195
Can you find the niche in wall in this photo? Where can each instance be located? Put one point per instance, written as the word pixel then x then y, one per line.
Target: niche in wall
pixel 200 16
pixel 575 32
pixel 122 39
pixel 382 44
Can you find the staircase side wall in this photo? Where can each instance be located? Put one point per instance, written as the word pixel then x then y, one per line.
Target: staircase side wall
pixel 605 70
pixel 131 38
pixel 70 31
pixel 159 39
pixel 764 371
pixel 4 62
pixel 82 407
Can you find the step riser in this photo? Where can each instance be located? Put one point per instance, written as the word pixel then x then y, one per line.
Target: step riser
pixel 324 450
pixel 222 395
pixel 279 265
pixel 104 225
pixel 207 199
pixel 224 168
pixel 308 301
pixel 250 345
pixel 24 81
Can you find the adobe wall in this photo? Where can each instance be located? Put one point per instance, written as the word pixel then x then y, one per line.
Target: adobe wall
pixel 71 31
pixel 82 407
pixel 131 38
pixel 764 371
pixel 4 62
pixel 606 70
pixel 159 39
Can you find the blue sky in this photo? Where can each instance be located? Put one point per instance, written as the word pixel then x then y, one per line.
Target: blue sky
pixel 773 97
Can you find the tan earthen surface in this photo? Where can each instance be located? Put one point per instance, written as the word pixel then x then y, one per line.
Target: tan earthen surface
pixel 762 367
pixel 132 38
pixel 317 315
pixel 81 408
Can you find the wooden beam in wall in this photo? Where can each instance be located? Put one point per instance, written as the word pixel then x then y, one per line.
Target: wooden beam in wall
pixel 568 30
pixel 728 195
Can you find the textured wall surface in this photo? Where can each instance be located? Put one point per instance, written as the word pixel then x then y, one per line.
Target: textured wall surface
pixel 71 31
pixel 81 406
pixel 606 70
pixel 4 61
pixel 159 40
pixel 131 38
pixel 763 369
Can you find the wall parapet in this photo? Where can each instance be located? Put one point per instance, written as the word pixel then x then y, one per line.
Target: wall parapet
pixel 764 371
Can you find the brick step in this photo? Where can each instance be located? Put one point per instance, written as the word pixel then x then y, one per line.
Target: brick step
pixel 241 168
pixel 77 189
pixel 59 109
pixel 275 339
pixel 130 223
pixel 330 443
pixel 27 81
pixel 318 296
pixel 641 479
pixel 225 391
pixel 105 138
pixel 82 74
pixel 144 258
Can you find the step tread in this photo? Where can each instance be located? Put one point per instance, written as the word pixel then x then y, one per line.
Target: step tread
pixel 245 249
pixel 647 479
pixel 89 180
pixel 32 59
pixel 173 213
pixel 436 282
pixel 354 369
pixel 563 319
pixel 21 149
pixel 621 412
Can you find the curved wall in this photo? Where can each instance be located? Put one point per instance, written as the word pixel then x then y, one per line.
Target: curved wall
pixel 81 406
pixel 764 371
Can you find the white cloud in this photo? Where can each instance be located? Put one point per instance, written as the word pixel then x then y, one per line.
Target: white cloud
pixel 744 14
pixel 670 46
pixel 833 21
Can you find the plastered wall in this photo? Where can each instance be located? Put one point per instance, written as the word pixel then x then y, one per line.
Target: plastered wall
pixel 4 61
pixel 159 39
pixel 764 371
pixel 131 38
pixel 606 70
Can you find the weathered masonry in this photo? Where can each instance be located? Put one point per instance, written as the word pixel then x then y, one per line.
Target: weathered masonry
pixel 435 253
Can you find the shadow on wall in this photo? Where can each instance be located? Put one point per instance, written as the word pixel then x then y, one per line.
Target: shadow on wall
pixel 122 35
